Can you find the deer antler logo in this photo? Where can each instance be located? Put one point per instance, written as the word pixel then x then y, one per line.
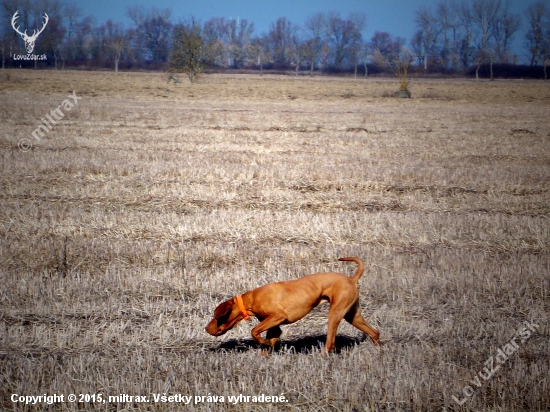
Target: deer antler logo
pixel 29 40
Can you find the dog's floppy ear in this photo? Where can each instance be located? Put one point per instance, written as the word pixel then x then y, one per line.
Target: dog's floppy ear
pixel 223 309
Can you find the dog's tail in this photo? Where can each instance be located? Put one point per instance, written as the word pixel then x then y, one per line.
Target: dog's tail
pixel 360 267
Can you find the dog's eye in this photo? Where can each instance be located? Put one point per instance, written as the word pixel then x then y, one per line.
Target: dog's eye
pixel 223 320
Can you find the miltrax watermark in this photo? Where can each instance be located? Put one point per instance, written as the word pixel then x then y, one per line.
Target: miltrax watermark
pixel 29 40
pixel 49 121
pixel 493 363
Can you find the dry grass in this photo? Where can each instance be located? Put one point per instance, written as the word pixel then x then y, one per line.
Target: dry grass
pixel 151 202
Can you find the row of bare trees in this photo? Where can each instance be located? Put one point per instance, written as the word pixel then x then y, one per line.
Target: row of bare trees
pixel 452 36
pixel 455 35
pixel 326 40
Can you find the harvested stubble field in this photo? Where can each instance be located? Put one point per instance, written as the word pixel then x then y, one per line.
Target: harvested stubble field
pixel 151 202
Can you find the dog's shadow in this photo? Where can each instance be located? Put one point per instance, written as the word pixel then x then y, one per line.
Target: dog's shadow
pixel 300 345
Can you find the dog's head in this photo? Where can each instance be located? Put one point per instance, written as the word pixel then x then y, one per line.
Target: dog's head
pixel 226 316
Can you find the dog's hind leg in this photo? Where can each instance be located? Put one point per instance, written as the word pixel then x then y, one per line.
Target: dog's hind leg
pixel 336 313
pixel 356 319
pixel 273 335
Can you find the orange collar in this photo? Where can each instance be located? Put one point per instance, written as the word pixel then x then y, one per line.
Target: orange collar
pixel 240 303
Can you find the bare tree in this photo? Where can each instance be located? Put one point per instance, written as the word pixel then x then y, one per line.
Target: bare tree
pixel 55 38
pixel 365 53
pixel 138 14
pixel 8 37
pixel 280 39
pixel 466 33
pixel 400 64
pixel 188 50
pixel 356 50
pixel 83 39
pixel 389 53
pixel 71 14
pixel 344 36
pixel 238 33
pixel 448 31
pixel 153 30
pixel 546 48
pixel 484 15
pixel 536 37
pixel 426 36
pixel 156 32
pixel 505 27
pixel 444 20
pixel 114 40
pixel 4 45
pixel 8 7
pixel 298 49
pixel 214 38
pixel 315 27
pixel 52 37
pixel 259 50
pixel 385 47
pixel 546 53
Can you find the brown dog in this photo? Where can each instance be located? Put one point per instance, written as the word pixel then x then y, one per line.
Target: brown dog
pixel 283 303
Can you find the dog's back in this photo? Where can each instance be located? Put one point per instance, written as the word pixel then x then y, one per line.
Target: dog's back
pixel 298 297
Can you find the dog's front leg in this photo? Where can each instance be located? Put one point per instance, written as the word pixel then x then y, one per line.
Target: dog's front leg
pixel 271 325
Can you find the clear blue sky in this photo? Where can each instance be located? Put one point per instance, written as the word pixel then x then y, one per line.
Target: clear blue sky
pixel 393 16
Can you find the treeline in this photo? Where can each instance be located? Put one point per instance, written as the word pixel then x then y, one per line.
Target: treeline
pixel 452 37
